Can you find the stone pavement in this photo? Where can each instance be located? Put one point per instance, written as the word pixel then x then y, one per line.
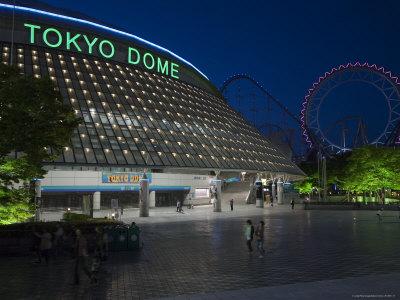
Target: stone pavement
pixel 202 255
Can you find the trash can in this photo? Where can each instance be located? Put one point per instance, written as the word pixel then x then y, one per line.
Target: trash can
pixel 134 238
pixel 117 238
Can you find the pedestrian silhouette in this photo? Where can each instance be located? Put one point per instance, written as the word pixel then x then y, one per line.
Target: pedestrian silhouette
pixel 379 213
pixel 81 258
pixel 249 232
pixel 260 238
pixel 45 244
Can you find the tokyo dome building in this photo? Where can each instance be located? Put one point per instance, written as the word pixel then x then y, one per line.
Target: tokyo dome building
pixel 143 109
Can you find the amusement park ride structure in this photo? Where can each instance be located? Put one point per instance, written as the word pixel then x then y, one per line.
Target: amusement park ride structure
pixel 316 137
pixel 382 80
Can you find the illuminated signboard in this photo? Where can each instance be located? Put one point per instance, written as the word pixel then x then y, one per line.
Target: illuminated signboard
pixel 123 177
pixel 83 43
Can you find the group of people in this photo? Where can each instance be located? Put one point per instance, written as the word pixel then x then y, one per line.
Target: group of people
pixel 44 242
pixel 179 206
pixel 259 233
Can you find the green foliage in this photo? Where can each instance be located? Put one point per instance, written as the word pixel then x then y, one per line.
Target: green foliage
pixel 336 169
pixel 34 120
pixel 311 181
pixel 366 169
pixel 15 205
pixel 34 127
pixel 370 169
pixel 304 187
pixel 73 217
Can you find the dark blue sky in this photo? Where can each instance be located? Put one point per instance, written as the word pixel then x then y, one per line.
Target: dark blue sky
pixel 285 45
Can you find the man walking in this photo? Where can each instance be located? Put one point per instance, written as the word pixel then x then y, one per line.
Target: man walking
pixel 260 238
pixel 249 235
pixel 292 203
pixel 81 258
pixel 231 203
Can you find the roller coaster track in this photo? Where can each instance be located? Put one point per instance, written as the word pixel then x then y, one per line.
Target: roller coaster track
pixel 244 76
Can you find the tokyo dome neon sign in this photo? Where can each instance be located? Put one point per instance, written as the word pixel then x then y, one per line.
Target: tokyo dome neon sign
pixel 80 42
pixel 96 25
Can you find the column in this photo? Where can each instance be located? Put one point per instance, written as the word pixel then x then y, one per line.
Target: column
pixel 96 200
pixel 259 194
pixel 144 197
pixel 217 196
pixel 152 199
pixel 38 196
pixel 280 192
pixel 273 193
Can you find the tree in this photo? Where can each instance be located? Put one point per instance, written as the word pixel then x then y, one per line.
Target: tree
pixel 307 185
pixel 372 168
pixel 366 169
pixel 35 125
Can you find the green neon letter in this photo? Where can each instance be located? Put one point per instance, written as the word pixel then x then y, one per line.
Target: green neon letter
pixel 101 49
pixel 130 56
pixel 152 59
pixel 47 42
pixel 173 70
pixel 69 41
pixel 162 68
pixel 90 44
pixel 33 27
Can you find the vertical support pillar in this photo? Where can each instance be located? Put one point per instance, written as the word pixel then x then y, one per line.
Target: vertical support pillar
pixel 273 193
pixel 324 178
pixel 38 196
pixel 152 199
pixel 280 192
pixel 218 198
pixel 259 194
pixel 96 200
pixel 144 197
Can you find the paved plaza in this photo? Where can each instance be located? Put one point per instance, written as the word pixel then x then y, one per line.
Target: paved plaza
pixel 202 255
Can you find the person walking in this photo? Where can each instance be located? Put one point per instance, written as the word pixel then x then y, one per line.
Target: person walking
pixel 260 238
pixel 180 206
pixel 81 258
pixel 36 245
pixel 292 203
pixel 177 206
pixel 379 214
pixel 45 244
pixel 190 205
pixel 398 208
pixel 99 250
pixel 59 238
pixel 231 203
pixel 249 232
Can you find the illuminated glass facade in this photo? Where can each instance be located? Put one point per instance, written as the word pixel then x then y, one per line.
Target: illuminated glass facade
pixel 133 117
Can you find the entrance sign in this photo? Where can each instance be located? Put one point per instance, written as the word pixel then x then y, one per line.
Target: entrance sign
pixel 123 177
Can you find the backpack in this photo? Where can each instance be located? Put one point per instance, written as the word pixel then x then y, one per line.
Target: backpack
pixel 252 232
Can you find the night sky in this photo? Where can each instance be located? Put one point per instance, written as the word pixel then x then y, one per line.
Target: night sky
pixel 285 45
